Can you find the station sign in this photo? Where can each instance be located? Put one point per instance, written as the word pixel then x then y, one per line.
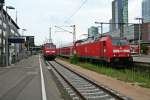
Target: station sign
pixel 16 40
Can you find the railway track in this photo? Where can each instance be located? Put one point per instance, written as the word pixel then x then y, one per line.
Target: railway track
pixel 142 64
pixel 81 87
pixel 141 67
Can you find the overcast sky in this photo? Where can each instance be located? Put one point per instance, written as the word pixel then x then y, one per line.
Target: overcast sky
pixel 38 15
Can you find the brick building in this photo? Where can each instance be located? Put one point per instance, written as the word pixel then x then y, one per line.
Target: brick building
pixel 146 32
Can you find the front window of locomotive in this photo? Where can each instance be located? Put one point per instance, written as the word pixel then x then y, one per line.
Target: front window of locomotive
pixel 120 47
pixel 120 42
pixel 50 46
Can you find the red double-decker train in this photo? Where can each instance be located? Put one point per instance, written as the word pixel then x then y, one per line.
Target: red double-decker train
pixel 49 51
pixel 104 48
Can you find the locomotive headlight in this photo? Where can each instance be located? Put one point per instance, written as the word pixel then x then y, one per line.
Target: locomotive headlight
pixel 53 51
pixel 116 51
pixel 126 50
pixel 47 51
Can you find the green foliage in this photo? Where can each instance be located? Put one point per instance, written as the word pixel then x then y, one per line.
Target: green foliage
pixel 144 48
pixel 127 75
pixel 135 77
pixel 74 59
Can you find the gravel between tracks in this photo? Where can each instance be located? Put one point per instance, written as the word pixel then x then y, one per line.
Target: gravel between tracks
pixel 135 92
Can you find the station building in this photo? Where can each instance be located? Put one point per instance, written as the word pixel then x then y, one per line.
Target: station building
pixel 146 32
pixel 8 28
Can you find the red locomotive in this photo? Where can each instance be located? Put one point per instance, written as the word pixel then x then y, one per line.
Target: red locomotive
pixel 104 48
pixel 49 51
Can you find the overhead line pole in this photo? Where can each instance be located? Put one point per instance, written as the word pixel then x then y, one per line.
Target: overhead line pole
pixel 101 23
pixel 50 38
pixel 140 32
pixel 74 32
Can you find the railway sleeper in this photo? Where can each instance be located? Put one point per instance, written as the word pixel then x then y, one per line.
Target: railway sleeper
pixel 100 97
pixel 94 93
pixel 88 91
pixel 84 86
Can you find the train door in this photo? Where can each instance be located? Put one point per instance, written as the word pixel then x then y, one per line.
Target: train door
pixel 103 50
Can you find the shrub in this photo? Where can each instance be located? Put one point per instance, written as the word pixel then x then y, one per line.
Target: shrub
pixel 74 59
pixel 144 48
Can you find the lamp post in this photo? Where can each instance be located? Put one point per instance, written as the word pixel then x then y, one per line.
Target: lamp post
pixel 140 21
pixel 74 33
pixel 23 30
pixel 16 17
pixel 22 45
pixel 7 35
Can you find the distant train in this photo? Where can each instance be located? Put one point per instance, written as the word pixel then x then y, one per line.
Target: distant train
pixel 134 48
pixel 49 51
pixel 105 48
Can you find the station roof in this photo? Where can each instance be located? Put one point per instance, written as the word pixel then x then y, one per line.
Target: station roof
pixel 6 14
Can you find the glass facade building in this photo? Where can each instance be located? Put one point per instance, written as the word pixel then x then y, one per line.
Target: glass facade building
pixel 146 10
pixel 119 15
pixel 132 33
pixel 93 31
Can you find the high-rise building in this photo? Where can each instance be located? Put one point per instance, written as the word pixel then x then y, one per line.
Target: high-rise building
pixel 93 31
pixel 132 33
pixel 119 15
pixel 113 16
pixel 146 10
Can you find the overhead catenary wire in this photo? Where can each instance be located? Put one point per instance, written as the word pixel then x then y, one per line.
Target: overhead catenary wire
pixel 83 3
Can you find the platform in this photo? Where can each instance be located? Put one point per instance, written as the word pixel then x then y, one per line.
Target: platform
pixel 23 81
pixel 142 58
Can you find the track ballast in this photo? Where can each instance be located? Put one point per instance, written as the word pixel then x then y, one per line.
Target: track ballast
pixel 84 87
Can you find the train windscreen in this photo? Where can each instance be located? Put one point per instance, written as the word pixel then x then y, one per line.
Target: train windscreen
pixel 50 46
pixel 119 42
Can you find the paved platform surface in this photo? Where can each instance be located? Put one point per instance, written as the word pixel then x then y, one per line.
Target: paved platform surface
pixel 142 58
pixel 23 81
